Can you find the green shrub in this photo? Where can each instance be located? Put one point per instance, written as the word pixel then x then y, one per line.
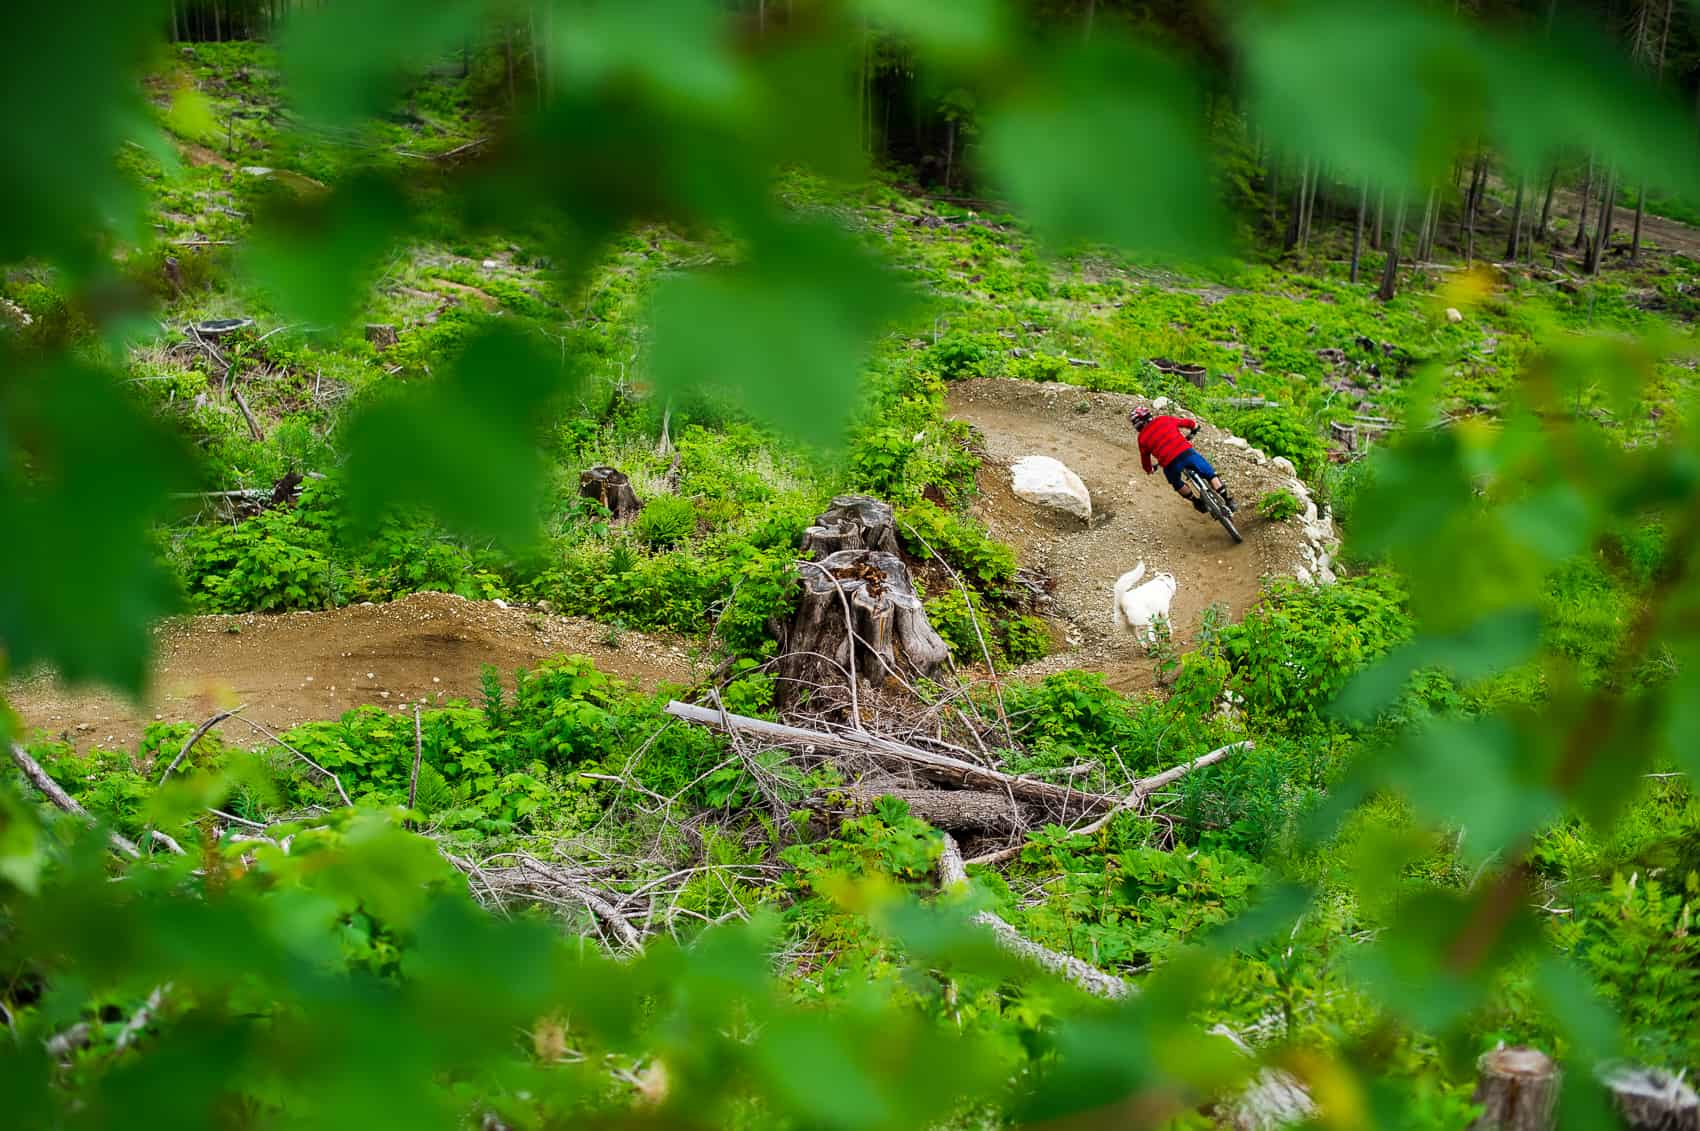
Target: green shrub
pixel 1025 639
pixel 953 617
pixel 963 542
pixel 1281 432
pixel 269 563
pixel 665 521
pixel 958 356
pixel 1279 505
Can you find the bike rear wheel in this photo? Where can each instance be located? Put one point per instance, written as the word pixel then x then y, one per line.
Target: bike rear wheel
pixel 1215 504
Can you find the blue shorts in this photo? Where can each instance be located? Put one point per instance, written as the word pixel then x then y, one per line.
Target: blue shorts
pixel 1189 458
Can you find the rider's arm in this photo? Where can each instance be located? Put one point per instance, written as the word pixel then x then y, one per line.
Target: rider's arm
pixel 1145 459
pixel 1189 424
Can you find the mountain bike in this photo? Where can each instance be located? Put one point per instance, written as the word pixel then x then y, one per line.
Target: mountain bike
pixel 1213 502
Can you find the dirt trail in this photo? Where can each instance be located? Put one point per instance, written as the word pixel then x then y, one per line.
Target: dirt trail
pixel 1136 517
pixel 295 667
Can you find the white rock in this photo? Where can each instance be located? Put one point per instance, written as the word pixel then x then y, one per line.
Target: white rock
pixel 1257 455
pixel 499 603
pixel 1452 314
pixel 1046 482
pixel 1235 441
pixel 1282 463
pixel 1328 577
pixel 1309 518
pixel 1304 576
pixel 1161 403
pixel 489 264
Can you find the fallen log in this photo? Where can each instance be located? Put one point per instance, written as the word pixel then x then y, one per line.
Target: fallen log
pixel 955 810
pixel 1142 789
pixel 939 768
pixel 51 790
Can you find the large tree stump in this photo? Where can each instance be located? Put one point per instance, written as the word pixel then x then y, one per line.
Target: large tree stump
pixel 853 522
pixel 1518 1090
pixel 857 618
pixel 1650 1099
pixel 612 489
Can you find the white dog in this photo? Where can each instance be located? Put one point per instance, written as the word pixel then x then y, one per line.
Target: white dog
pixel 1137 608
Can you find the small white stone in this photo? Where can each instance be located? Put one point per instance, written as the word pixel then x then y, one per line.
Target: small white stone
pixel 1257 455
pixel 1161 403
pixel 499 603
pixel 489 264
pixel 1452 314
pixel 1282 463
pixel 434 679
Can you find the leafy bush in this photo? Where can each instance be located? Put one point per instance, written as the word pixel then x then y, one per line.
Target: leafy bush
pixel 1279 505
pixel 1296 649
pixel 1281 432
pixel 1025 639
pixel 963 542
pixel 269 563
pixel 958 356
pixel 665 521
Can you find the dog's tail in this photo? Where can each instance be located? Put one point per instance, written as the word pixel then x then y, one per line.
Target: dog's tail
pixel 1124 583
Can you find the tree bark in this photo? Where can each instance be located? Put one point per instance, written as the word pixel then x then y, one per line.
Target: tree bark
pixel 1295 214
pixel 955 810
pixel 612 489
pixel 1608 211
pixel 853 522
pixel 1390 271
pixel 1546 207
pixel 1582 214
pixel 857 619
pixel 1650 1099
pixel 1514 242
pixel 1358 237
pixel 941 769
pixel 1518 1090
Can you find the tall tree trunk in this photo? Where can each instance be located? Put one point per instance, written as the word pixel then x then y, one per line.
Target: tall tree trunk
pixel 1295 214
pixel 536 54
pixel 1546 207
pixel 176 31
pixel 218 28
pixel 508 44
pixel 1582 213
pixel 1640 211
pixel 1431 221
pixel 1380 214
pixel 1091 10
pixel 1358 237
pixel 1472 201
pixel 1608 211
pixel 949 153
pixel 1309 209
pixel 1514 242
pixel 1390 271
pixel 1274 193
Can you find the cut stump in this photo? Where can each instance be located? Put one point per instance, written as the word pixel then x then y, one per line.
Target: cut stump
pixel 857 619
pixel 853 522
pixel 1518 1090
pixel 612 489
pixel 1650 1099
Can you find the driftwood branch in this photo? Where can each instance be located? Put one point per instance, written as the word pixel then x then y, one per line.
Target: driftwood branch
pixel 1142 789
pixel 50 789
pixel 196 736
pixel 939 768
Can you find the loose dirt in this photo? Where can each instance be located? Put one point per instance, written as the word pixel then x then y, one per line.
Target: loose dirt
pixel 291 668
pixel 1136 517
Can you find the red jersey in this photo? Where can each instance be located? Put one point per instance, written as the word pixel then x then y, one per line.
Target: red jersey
pixel 1161 440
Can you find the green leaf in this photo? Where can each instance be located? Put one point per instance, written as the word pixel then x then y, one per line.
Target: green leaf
pixel 351 60
pixel 465 446
pixel 83 474
pixel 1474 775
pixel 1490 645
pixel 786 331
pixel 678 48
pixel 77 68
pixel 1106 144
pixel 1387 92
pixel 318 258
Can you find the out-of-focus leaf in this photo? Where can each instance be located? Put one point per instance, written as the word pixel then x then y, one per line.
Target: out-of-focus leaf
pixel 947 29
pixel 83 474
pixel 21 855
pixel 1106 144
pixel 1471 774
pixel 1490 645
pixel 346 61
pixel 785 331
pixel 71 74
pixel 677 47
pixel 1385 92
pixel 1682 714
pixel 1574 89
pixel 318 257
pixel 465 447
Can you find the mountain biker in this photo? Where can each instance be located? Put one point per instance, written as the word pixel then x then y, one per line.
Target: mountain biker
pixel 1160 443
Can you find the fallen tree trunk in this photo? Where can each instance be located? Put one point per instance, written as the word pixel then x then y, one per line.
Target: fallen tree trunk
pixel 955 810
pixel 939 768
pixel 50 789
